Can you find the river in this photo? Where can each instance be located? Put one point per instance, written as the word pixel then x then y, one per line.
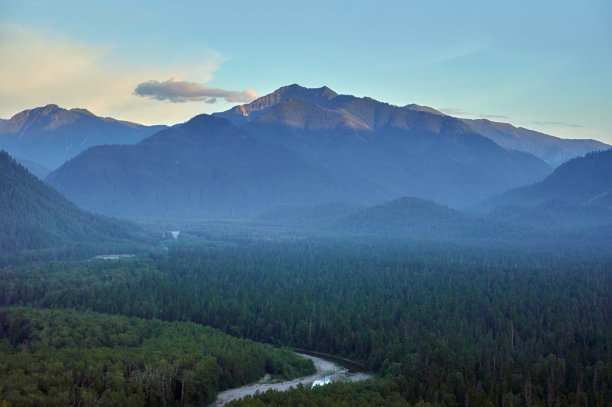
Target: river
pixel 325 370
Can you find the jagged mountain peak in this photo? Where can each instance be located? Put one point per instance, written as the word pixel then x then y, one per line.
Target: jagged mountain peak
pixel 299 89
pixel 50 135
pixel 250 111
pixel 324 109
pixel 39 118
pixel 301 114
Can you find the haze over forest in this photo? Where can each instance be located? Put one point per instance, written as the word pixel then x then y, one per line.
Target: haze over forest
pixel 195 207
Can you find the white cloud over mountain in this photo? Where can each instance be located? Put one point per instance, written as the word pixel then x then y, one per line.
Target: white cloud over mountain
pixel 178 91
pixel 39 67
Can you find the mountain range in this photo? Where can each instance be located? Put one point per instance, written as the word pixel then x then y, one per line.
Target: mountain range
pixel 295 146
pixel 553 150
pixel 573 203
pixel 285 154
pixel 45 137
pixel 575 198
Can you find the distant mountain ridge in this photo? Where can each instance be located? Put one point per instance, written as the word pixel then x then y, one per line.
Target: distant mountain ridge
pixel 51 135
pixel 581 181
pixel 296 146
pixel 553 150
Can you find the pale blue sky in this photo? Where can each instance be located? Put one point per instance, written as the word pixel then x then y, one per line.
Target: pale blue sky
pixel 545 65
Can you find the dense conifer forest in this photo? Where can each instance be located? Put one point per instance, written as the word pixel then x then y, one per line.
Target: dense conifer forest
pixel 447 325
pixel 38 223
pixel 68 357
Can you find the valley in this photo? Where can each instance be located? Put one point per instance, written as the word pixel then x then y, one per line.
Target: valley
pixel 195 262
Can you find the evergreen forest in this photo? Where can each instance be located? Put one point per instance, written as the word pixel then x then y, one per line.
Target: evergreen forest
pixel 439 324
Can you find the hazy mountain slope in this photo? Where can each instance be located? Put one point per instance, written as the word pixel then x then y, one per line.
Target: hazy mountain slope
pixel 34 216
pixel 35 168
pixel 205 168
pixel 409 217
pixel 310 216
pixel 553 150
pixel 51 135
pixel 382 151
pixel 553 215
pixel 581 181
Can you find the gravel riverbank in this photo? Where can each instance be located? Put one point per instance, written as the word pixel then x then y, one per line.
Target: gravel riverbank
pixel 324 369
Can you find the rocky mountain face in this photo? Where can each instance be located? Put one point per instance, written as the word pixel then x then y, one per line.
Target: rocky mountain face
pixel 50 135
pixel 245 113
pixel 296 146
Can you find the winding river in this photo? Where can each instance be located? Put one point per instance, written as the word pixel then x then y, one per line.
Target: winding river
pixel 326 371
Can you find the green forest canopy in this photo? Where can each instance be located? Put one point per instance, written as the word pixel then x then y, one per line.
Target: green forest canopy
pixel 448 325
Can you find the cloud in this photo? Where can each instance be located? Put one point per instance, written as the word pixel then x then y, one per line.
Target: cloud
pixel 460 112
pixel 455 112
pixel 563 124
pixel 178 91
pixel 39 67
pixel 493 116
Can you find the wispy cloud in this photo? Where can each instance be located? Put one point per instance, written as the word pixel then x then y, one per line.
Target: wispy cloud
pixel 451 111
pixel 492 116
pixel 179 91
pixel 39 67
pixel 563 124
pixel 460 112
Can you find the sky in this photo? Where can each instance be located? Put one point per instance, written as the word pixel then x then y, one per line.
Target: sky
pixel 543 65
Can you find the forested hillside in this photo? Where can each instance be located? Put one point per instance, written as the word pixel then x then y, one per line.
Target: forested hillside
pixel 449 325
pixel 35 218
pixel 67 357
pixel 580 181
